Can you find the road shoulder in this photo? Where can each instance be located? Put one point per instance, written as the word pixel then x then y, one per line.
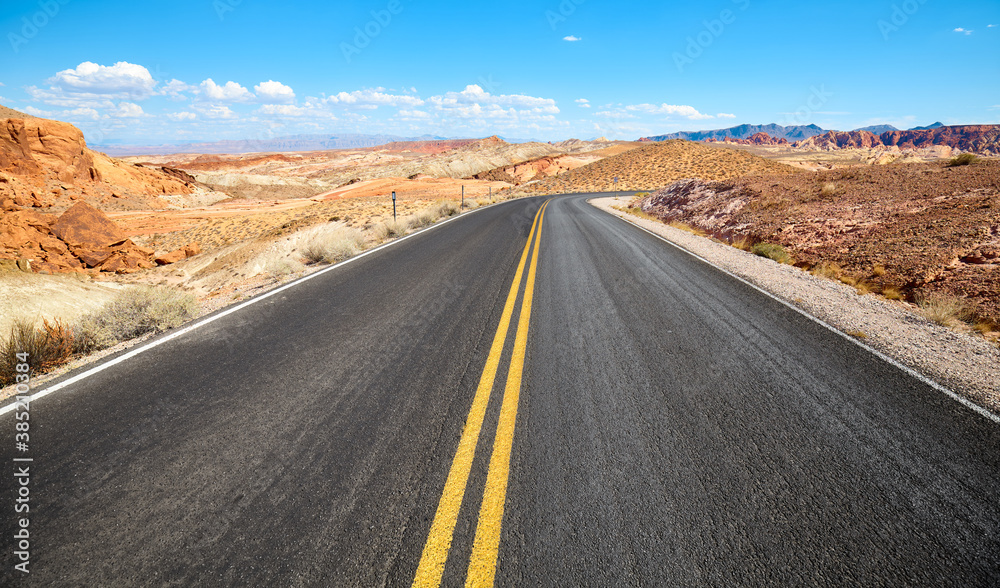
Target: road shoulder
pixel 968 366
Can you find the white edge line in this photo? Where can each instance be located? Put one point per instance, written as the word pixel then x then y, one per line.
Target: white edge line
pixel 184 331
pixel 940 388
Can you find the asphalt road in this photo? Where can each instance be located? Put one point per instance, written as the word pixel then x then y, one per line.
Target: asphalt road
pixel 671 427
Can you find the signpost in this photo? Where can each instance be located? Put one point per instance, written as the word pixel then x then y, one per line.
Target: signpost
pixel 463 198
pixel 616 183
pixel 394 207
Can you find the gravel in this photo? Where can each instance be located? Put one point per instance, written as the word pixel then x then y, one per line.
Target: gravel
pixel 965 364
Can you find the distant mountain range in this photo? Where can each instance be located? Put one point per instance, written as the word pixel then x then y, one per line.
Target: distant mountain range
pixel 791 133
pixel 277 144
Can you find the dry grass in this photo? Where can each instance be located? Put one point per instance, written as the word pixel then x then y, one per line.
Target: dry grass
pixel 136 311
pixel 828 270
pixel 857 334
pixel 828 189
pixel 331 244
pixel 47 347
pixel 688 228
pixel 742 242
pixel 772 251
pixel 945 310
pixel 893 293
pixel 963 159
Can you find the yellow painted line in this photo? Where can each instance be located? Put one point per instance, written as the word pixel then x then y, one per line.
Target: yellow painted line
pixel 435 553
pixel 483 563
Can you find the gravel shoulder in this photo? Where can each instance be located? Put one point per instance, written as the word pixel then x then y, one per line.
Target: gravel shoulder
pixel 967 365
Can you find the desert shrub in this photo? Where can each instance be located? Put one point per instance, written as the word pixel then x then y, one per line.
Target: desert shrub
pixel 47 347
pixel 963 159
pixel 135 311
pixel 771 251
pixel 389 229
pixel 422 219
pixel 332 244
pixel 828 189
pixel 893 293
pixel 945 309
pixel 444 209
pixel 827 269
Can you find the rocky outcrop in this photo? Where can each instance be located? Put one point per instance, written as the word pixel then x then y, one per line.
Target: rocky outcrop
pixel 82 238
pixel 982 139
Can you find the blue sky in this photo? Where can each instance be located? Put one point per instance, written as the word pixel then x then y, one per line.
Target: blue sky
pixel 159 72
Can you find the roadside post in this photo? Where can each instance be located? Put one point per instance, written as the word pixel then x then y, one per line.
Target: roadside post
pixel 394 206
pixel 463 198
pixel 491 194
pixel 616 184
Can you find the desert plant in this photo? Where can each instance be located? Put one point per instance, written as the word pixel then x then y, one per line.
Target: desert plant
pixel 444 209
pixel 771 251
pixel 945 309
pixel 827 269
pixel 963 159
pixel 892 293
pixel 47 347
pixel 332 244
pixel 389 229
pixel 135 311
pixel 742 242
pixel 828 189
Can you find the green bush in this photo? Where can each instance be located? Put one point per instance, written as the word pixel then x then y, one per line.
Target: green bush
pixel 135 311
pixel 771 251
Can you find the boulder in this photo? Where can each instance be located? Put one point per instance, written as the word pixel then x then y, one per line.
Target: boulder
pixel 85 226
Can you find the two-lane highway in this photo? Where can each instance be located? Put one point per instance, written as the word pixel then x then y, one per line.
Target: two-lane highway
pixel 521 396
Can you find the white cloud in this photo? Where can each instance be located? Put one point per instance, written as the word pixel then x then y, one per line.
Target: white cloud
pixel 370 99
pixel 127 110
pixel 473 97
pixel 725 115
pixel 231 92
pixel 120 79
pixel 613 114
pixel 309 109
pixel 175 89
pixel 3 84
pixel 72 114
pixel 413 115
pixel 987 26
pixel 963 31
pixel 583 103
pixel 181 116
pixel 572 39
pixel 688 112
pixel 272 92
pixel 214 111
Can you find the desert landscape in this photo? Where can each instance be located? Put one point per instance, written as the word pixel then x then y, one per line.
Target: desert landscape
pixel 886 212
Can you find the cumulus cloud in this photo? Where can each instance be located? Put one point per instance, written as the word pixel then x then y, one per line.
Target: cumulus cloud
pixel 572 39
pixel 583 103
pixel 231 92
pixel 963 31
pixel 413 115
pixel 725 115
pixel 613 114
pixel 175 89
pixel 371 99
pixel 309 109
pixel 217 111
pixel 271 92
pixel 122 78
pixel 182 116
pixel 688 112
pixel 127 110
pixel 987 26
pixel 474 96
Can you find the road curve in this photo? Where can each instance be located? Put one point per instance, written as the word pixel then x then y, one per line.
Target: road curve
pixel 672 426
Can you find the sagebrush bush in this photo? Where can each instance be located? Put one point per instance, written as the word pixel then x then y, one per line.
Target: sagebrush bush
pixel 945 309
pixel 47 347
pixel 771 251
pixel 332 244
pixel 963 159
pixel 135 311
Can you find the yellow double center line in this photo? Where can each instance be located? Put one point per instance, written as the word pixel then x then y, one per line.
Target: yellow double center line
pixel 482 564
